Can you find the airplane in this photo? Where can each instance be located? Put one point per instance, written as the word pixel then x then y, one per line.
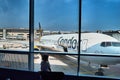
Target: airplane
pixel 91 43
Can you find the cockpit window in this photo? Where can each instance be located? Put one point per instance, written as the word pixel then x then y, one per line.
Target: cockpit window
pixel 103 44
pixel 116 44
pixel 106 44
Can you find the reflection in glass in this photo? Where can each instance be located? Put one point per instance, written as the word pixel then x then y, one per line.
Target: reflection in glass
pixel 60 63
pixel 14 61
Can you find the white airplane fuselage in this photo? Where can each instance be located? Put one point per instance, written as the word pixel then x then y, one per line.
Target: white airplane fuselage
pixel 91 43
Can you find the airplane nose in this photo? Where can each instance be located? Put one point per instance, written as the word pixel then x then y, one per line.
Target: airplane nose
pixel 117 50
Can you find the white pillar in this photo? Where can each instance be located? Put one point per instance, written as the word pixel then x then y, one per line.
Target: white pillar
pixel 4 33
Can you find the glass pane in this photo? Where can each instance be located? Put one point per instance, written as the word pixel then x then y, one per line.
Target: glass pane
pixel 100 36
pixel 14 24
pixel 14 61
pixel 56 30
pixel 58 63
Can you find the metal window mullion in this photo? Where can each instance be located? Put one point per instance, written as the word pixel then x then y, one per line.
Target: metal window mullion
pixel 79 34
pixel 31 36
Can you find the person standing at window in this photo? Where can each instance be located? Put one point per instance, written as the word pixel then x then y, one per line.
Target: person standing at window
pixel 45 65
pixel 99 72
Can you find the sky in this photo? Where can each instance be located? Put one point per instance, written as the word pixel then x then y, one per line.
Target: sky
pixel 52 14
pixel 14 13
pixel 57 14
pixel 62 14
pixel 100 15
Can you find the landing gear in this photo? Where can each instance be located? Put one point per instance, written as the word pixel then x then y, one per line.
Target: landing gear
pixel 99 72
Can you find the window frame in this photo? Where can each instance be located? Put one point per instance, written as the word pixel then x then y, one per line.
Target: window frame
pixel 31 41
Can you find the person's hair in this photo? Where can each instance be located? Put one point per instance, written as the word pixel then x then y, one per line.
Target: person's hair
pixel 45 57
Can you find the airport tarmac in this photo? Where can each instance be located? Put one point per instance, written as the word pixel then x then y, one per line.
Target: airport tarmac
pixel 62 63
pixel 68 65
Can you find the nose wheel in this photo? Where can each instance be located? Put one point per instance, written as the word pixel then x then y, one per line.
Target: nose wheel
pixel 99 72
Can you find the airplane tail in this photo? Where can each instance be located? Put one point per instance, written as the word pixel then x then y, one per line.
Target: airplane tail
pixel 40 31
pixel 40 35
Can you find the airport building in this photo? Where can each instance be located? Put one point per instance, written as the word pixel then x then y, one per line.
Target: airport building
pixel 18 34
pixel 23 33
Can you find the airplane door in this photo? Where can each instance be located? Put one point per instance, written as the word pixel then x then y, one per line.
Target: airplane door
pixel 84 44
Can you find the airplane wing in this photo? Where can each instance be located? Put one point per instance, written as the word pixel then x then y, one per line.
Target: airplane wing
pixel 49 48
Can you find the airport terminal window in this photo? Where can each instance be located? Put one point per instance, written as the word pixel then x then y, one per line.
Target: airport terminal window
pixel 56 33
pixel 100 25
pixel 14 24
pixel 14 27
